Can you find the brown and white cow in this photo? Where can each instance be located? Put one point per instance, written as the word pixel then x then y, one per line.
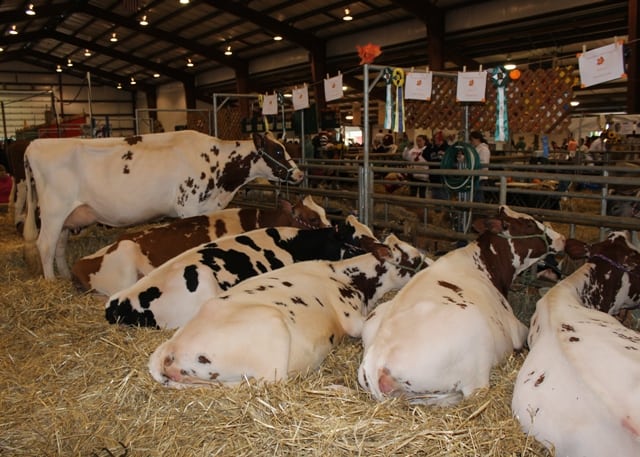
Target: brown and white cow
pixel 172 293
pixel 134 255
pixel 438 338
pixel 282 322
pixel 578 389
pixel 125 181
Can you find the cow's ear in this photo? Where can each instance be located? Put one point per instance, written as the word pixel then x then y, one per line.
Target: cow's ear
pixel 286 205
pixel 258 141
pixel 576 249
pixel 381 251
pixel 492 225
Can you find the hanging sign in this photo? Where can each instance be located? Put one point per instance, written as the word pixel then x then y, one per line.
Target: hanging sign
pixel 333 88
pixel 301 98
pixel 418 86
pixel 601 64
pixel 397 78
pixel 270 105
pixel 471 86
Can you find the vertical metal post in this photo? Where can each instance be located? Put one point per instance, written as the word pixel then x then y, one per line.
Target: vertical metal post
pixel 365 191
pixel 91 123
pixel 215 115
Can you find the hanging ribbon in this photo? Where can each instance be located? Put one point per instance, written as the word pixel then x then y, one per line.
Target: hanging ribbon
pixel 398 114
pixel 500 78
pixel 388 107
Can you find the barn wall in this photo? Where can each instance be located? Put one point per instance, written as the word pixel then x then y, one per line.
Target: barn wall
pixel 26 91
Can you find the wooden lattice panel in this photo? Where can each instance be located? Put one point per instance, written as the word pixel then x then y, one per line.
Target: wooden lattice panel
pixel 536 102
pixel 230 123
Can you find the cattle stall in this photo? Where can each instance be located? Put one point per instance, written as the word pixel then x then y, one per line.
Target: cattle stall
pixel 77 385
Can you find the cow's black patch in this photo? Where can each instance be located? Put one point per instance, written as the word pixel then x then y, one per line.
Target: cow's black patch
pixel 190 276
pixel 147 296
pixel 123 313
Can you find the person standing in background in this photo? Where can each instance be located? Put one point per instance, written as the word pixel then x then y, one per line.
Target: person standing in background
pixel 418 153
pixel 435 154
pixel 482 148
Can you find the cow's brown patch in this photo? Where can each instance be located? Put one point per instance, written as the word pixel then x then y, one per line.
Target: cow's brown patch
pixel 451 286
pixel 573 339
pixel 540 380
pixel 134 139
pixel 213 376
pixel 203 359
pixel 220 228
pixel 82 269
pixel 567 328
pixel 125 170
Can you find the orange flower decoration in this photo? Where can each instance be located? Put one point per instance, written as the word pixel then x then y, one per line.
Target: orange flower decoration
pixel 368 53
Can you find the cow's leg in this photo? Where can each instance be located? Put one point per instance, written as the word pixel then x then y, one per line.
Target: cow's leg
pixel 61 258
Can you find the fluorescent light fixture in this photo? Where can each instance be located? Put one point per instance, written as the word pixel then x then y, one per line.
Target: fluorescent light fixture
pixel 156 75
pixel 143 20
pixel 87 53
pixel 347 15
pixel 119 86
pixel 189 63
pixel 277 38
pixel 133 81
pixel 59 69
pixel 349 117
pixel 184 2
pixel 114 37
pixel 510 66
pixel 30 11
pixel 69 63
pixel 228 52
pixel 574 102
pixel 14 30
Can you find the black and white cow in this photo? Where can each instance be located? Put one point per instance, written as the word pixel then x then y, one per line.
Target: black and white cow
pixel 438 338
pixel 125 181
pixel 578 390
pixel 282 322
pixel 120 264
pixel 172 293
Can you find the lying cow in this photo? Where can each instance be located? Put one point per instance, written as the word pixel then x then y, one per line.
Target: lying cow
pixel 121 264
pixel 283 322
pixel 438 338
pixel 126 181
pixel 172 293
pixel 578 390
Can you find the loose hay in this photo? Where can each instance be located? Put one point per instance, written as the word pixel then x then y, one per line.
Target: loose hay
pixel 74 385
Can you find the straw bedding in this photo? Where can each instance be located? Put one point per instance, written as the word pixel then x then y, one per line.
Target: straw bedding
pixel 73 385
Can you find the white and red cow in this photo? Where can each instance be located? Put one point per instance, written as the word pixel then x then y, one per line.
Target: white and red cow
pixel 134 255
pixel 172 293
pixel 436 341
pixel 578 389
pixel 283 322
pixel 125 181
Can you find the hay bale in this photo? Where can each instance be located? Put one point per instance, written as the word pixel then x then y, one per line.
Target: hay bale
pixel 76 386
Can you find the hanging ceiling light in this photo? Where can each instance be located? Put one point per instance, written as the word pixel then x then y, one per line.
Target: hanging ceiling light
pixel 510 66
pixel 156 75
pixel 143 20
pixel 87 53
pixel 189 63
pixel 58 68
pixel 69 63
pixel 133 81
pixel 228 52
pixel 277 38
pixel 14 30
pixel 347 15
pixel 574 103
pixel 119 86
pixel 30 11
pixel 184 2
pixel 114 37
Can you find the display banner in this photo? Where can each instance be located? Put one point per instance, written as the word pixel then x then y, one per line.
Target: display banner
pixel 601 64
pixel 471 86
pixel 418 86
pixel 301 98
pixel 270 105
pixel 333 88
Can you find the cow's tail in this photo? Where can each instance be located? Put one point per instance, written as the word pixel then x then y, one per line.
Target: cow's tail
pixel 30 231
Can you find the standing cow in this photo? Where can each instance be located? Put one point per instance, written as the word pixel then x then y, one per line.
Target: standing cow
pixel 283 322
pixel 125 181
pixel 438 338
pixel 134 255
pixel 172 293
pixel 578 389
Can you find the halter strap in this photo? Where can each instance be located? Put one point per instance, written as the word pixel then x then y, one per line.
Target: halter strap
pixel 615 264
pixel 543 236
pixel 262 152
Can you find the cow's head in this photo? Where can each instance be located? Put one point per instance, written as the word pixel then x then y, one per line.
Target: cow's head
pixel 276 157
pixel 613 282
pixel 307 213
pixel 355 237
pixel 511 242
